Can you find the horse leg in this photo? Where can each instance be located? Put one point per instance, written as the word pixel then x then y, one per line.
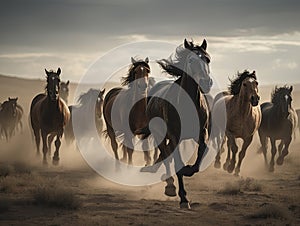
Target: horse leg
pixel 273 152
pixel 50 140
pixel 242 154
pixel 280 147
pixel 218 156
pixel 234 149
pixel 146 151
pixel 37 137
pixel 113 141
pixel 285 151
pixel 264 146
pixel 45 148
pixel 55 159
pixel 227 162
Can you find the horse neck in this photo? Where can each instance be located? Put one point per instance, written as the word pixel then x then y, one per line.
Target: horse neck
pixel 190 87
pixel 244 104
pixel 277 111
pixel 53 105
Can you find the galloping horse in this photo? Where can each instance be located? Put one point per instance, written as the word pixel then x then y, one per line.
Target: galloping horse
pixel 134 99
pixel 64 91
pixel 279 121
pixel 243 117
pixel 90 101
pixel 49 116
pixel 176 101
pixel 10 117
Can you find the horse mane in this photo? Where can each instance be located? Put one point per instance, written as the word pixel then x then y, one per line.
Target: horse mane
pixel 130 77
pixel 235 86
pixel 174 65
pixel 90 95
pixel 279 92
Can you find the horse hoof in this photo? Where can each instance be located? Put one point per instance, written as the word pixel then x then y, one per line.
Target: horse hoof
pixel 170 190
pixel 225 166
pixel 217 165
pixel 55 161
pixel 45 163
pixel 185 205
pixel 230 168
pixel 279 161
pixel 271 169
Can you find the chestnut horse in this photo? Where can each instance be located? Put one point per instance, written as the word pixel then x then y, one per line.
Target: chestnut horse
pixel 279 121
pixel 49 115
pixel 243 117
pixel 133 100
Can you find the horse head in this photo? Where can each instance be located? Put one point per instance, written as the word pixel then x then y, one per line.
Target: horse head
pixel 11 106
pixel 197 65
pixel 64 90
pixel 282 97
pixel 99 103
pixel 53 84
pixel 249 90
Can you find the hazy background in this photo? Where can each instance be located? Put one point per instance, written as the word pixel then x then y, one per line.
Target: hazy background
pixel 71 34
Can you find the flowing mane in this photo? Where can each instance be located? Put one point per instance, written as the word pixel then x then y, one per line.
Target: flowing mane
pixel 278 93
pixel 236 83
pixel 126 80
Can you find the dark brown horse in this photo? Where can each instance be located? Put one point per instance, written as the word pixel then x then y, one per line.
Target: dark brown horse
pixel 183 113
pixel 64 91
pixel 90 101
pixel 243 117
pixel 49 115
pixel 125 109
pixel 279 121
pixel 10 117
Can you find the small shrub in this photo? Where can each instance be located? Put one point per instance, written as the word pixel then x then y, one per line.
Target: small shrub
pixel 230 189
pixel 249 184
pixel 53 194
pixel 5 170
pixel 270 211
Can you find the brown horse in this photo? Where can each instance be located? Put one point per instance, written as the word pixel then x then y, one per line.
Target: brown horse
pixel 49 115
pixel 183 113
pixel 90 101
pixel 64 91
pixel 10 117
pixel 125 109
pixel 243 117
pixel 279 121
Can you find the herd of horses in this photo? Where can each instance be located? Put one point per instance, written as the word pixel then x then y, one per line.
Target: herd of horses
pixel 183 104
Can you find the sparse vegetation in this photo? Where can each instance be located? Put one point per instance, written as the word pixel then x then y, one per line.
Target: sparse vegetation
pixel 250 184
pixel 52 193
pixel 5 170
pixel 270 211
pixel 240 186
pixel 230 188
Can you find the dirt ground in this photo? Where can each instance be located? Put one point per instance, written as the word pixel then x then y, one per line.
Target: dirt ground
pixel 73 194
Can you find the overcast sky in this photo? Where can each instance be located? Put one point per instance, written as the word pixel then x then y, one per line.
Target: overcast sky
pixel 71 34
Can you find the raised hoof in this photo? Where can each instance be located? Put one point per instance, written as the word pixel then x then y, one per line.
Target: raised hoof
pixel 230 168
pixel 217 165
pixel 55 161
pixel 279 161
pixel 170 190
pixel 185 205
pixel 236 174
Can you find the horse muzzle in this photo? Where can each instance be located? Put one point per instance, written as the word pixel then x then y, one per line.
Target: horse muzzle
pixel 255 100
pixel 205 85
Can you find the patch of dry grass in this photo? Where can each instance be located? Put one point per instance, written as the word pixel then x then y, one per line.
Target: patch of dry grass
pixel 270 211
pixel 240 186
pixel 52 192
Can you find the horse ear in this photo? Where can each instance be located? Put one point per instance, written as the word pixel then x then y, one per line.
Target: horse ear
pixel 147 60
pixel 204 44
pixel 68 82
pixel 46 72
pixel 102 91
pixel 187 44
pixel 291 89
pixel 133 60
pixel 58 71
pixel 9 99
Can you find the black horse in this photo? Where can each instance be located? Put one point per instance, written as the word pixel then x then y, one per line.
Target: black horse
pixel 279 121
pixel 175 103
